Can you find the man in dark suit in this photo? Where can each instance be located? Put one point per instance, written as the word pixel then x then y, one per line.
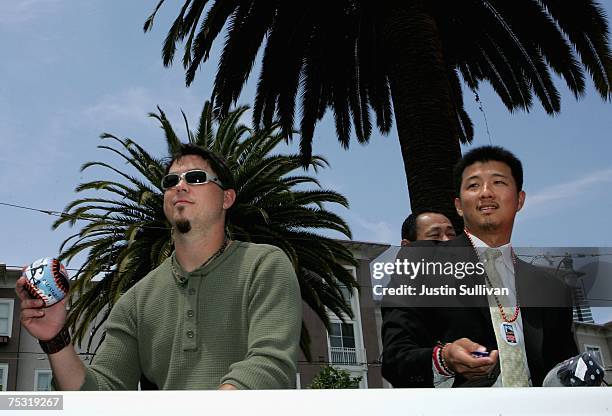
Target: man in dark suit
pixel 461 344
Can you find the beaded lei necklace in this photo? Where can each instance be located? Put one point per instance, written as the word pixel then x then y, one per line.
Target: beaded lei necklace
pixel 499 305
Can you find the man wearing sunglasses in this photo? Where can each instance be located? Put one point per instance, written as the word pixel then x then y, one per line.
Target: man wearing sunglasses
pixel 216 314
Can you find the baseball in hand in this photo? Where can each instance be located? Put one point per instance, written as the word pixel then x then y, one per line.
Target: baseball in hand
pixel 46 279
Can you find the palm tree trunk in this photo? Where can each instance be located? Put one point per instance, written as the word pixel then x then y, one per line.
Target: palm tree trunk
pixel 423 108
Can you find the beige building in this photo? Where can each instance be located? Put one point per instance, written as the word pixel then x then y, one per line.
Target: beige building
pixel 10 329
pixel 353 345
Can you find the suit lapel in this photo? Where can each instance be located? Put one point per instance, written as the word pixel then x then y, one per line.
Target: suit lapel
pixel 531 317
pixel 463 241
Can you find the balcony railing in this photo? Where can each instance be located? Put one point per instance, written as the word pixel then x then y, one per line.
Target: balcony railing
pixel 345 356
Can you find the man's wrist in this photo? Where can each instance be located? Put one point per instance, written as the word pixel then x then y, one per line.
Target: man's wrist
pixel 57 343
pixel 440 362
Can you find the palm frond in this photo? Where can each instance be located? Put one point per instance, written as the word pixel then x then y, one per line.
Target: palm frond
pixel 125 235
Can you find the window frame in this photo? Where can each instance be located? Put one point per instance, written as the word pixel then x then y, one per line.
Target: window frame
pixel 11 304
pixel 342 336
pixel 298 381
pixel 37 373
pixel 353 301
pixel 360 352
pixel 4 378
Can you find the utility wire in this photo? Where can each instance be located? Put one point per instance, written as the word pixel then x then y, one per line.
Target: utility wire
pixel 81 218
pixel 150 227
pixel 481 108
pixel 44 211
pixel 63 214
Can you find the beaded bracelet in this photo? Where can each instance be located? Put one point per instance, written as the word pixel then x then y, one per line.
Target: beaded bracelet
pixel 435 356
pixel 443 364
pixel 439 362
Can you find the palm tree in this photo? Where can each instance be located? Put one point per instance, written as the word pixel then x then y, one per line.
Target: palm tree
pixel 127 234
pixel 361 55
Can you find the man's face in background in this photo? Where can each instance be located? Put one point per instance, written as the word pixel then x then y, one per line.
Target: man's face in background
pixel 432 226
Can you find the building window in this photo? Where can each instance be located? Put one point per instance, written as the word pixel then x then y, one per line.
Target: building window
pixel 595 352
pixel 3 376
pixel 345 335
pixel 346 293
pixel 6 317
pixel 342 344
pixel 42 380
pixel 349 299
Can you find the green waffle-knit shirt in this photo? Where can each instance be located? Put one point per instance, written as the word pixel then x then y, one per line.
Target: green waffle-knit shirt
pixel 236 320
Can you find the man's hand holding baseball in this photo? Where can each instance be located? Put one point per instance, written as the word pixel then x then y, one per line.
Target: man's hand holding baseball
pixel 41 323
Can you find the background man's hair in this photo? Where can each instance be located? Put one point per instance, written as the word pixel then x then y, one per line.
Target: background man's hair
pixel 409 231
pixel 409 227
pixel 216 162
pixel 489 154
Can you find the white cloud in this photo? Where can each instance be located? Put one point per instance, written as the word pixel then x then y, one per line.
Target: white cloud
pixel 569 189
pixel 19 11
pixel 377 231
pixel 132 104
pixel 537 201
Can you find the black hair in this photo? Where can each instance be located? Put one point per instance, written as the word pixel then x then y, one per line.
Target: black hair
pixel 409 231
pixel 487 154
pixel 409 227
pixel 216 161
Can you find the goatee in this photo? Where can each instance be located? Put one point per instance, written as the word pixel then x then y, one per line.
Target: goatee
pixel 490 226
pixel 183 226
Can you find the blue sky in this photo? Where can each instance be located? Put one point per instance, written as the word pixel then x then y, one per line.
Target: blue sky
pixel 74 69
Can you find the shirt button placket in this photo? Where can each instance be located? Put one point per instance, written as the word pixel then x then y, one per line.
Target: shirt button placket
pixel 190 327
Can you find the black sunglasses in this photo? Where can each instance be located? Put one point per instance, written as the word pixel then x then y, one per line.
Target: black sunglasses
pixel 191 177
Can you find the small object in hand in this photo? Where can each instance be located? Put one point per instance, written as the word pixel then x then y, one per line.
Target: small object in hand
pixel 480 354
pixel 46 279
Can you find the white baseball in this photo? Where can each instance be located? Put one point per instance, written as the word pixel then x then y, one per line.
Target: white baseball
pixel 46 279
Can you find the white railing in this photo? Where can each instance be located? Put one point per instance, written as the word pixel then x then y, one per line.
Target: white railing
pixel 344 356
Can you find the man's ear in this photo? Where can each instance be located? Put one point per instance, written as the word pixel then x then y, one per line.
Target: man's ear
pixel 521 200
pixel 229 197
pixel 404 242
pixel 458 207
